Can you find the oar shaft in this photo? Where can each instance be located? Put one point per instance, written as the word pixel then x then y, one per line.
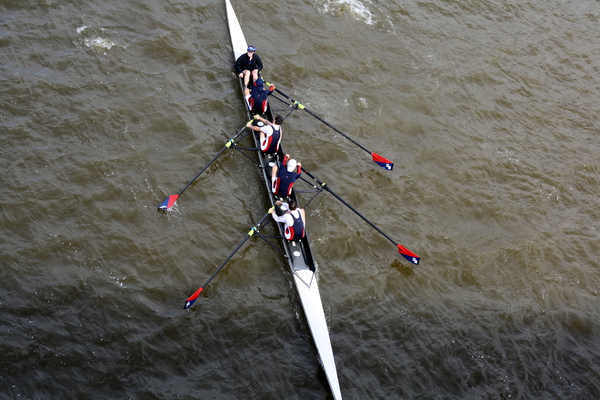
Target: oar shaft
pixel 409 255
pixel 202 171
pixel 324 186
pixel 169 202
pixel 252 231
pixel 228 258
pixel 379 160
pixel 227 145
pixel 322 120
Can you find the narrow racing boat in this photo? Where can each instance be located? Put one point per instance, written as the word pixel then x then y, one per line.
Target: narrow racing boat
pixel 298 253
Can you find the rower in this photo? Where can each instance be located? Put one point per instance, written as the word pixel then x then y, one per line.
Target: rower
pixel 248 64
pixel 283 178
pixel 270 133
pixel 293 218
pixel 257 99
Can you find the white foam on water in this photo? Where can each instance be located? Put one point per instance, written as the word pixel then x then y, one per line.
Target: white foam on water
pixel 99 42
pixel 356 8
pixel 94 37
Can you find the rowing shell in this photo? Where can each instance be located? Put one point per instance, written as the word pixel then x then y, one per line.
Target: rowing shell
pixel 299 254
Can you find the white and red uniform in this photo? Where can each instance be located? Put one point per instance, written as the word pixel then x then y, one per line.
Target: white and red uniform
pixel 270 143
pixel 294 224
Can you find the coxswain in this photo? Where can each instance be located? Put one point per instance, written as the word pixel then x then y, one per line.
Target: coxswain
pixel 248 64
pixel 294 219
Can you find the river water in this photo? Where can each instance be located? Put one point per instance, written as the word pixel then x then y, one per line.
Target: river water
pixel 489 110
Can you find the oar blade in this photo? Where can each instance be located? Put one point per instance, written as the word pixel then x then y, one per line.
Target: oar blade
pixel 382 162
pixel 409 255
pixel 168 203
pixel 192 299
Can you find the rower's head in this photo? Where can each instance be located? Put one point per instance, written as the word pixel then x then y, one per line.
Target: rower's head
pixel 259 83
pixel 251 49
pixel 278 119
pixel 291 165
pixel 293 205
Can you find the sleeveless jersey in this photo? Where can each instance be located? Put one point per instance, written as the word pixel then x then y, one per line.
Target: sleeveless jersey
pixel 270 144
pixel 258 100
pixel 296 231
pixel 285 181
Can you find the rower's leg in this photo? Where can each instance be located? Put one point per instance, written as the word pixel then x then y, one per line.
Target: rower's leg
pixel 274 171
pixel 246 77
pixel 247 98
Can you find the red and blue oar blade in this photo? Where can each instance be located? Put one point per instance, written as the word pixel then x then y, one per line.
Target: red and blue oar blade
pixel 169 202
pixel 409 255
pixel 382 162
pixel 192 299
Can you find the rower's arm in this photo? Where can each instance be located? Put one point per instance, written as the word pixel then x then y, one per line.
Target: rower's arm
pixel 261 119
pixel 284 219
pixel 254 128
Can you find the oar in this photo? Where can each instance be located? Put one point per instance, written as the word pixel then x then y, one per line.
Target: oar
pixel 192 298
pixel 170 200
pixel 409 255
pixel 379 160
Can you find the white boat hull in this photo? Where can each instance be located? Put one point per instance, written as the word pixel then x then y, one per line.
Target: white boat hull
pixel 238 41
pixel 313 309
pixel 298 253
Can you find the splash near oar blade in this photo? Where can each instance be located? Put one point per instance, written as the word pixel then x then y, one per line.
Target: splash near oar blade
pixel 192 299
pixel 409 255
pixel 382 162
pixel 169 202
